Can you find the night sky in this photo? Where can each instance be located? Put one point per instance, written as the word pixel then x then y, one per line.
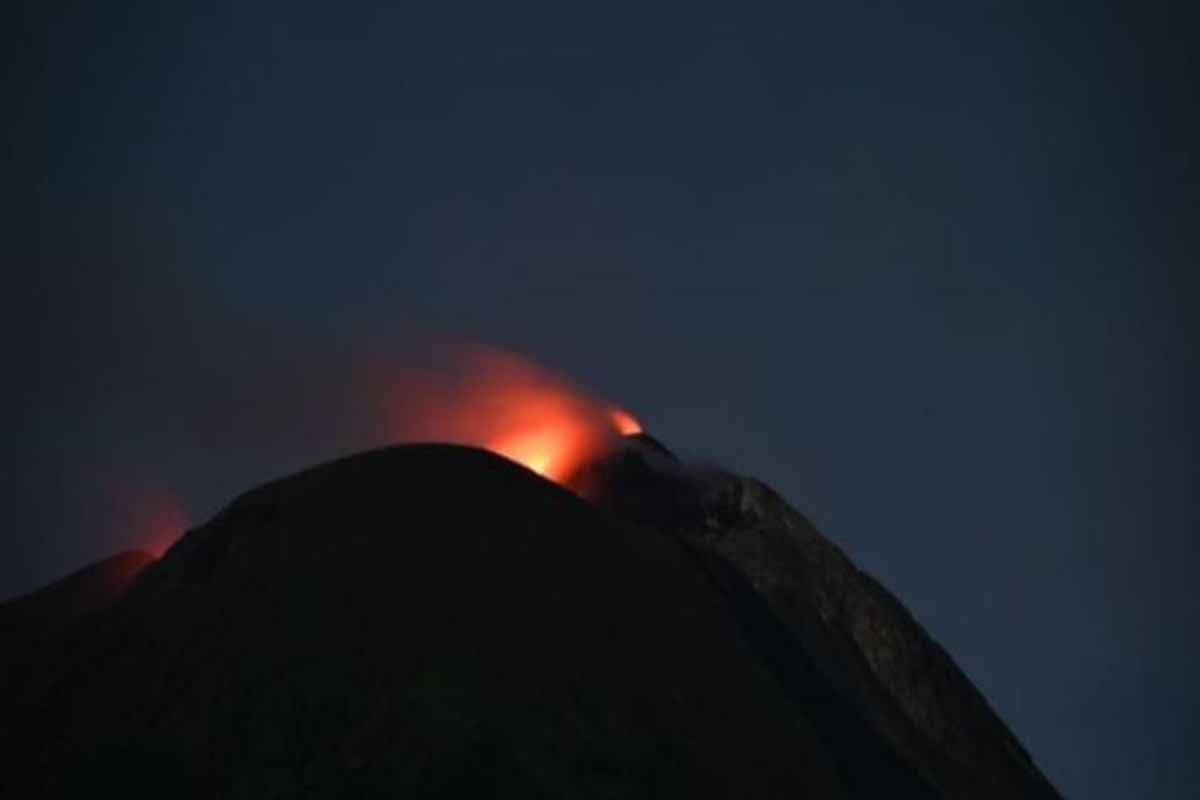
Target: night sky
pixel 929 272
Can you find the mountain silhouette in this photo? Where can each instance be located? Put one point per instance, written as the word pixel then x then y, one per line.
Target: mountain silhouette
pixel 437 621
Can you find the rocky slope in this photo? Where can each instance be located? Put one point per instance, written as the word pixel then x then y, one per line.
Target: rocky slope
pixel 855 635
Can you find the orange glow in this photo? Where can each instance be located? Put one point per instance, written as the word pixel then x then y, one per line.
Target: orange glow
pixel 147 515
pixel 551 448
pixel 502 403
pixel 165 523
pixel 626 424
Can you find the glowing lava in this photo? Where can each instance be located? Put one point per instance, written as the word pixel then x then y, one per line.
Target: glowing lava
pixel 505 404
pixel 552 432
pixel 626 424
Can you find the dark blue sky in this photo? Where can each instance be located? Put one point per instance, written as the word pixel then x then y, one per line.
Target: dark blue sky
pixel 929 272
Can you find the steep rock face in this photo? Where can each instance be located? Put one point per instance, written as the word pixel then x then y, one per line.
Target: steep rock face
pixel 860 639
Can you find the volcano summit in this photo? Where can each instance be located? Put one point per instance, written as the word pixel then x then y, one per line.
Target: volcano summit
pixel 436 620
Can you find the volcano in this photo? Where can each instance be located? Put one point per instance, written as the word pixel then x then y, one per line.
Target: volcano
pixel 440 621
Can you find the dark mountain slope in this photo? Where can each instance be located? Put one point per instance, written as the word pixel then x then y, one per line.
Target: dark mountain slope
pixel 31 624
pixel 437 621
pixel 81 593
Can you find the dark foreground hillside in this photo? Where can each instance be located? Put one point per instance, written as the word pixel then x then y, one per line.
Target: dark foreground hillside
pixel 437 621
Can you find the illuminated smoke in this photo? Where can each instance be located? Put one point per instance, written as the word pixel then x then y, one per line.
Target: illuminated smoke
pixel 503 403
